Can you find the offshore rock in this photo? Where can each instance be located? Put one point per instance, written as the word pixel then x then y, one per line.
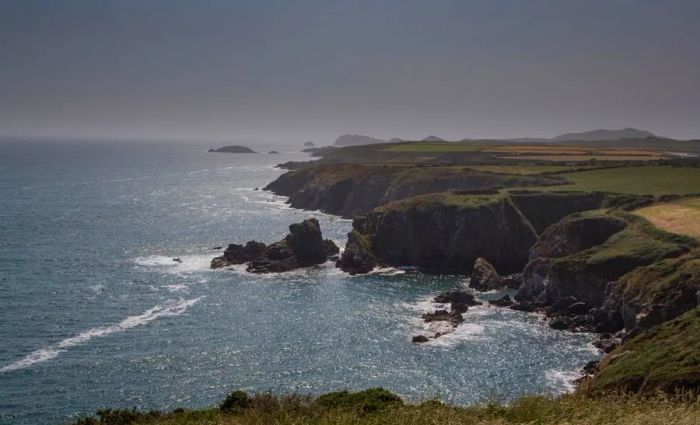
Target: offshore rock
pixel 484 276
pixel 304 246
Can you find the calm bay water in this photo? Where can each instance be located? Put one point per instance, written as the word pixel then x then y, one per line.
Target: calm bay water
pixel 94 313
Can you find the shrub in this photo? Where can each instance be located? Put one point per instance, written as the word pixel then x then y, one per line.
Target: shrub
pixel 368 401
pixel 235 402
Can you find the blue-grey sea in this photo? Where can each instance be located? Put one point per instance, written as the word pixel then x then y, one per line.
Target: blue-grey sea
pixel 95 313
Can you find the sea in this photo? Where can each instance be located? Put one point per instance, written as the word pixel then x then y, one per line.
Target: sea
pixel 95 313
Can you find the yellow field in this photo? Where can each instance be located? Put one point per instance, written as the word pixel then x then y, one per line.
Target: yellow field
pixel 522 169
pixel 574 154
pixel 534 149
pixel 581 158
pixel 682 216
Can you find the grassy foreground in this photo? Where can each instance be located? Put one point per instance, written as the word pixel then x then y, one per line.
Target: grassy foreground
pixel 377 406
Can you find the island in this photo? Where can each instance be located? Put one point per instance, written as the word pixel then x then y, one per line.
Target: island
pixel 233 149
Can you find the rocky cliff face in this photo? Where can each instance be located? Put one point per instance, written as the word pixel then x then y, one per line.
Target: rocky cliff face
pixel 352 189
pixel 304 246
pixel 443 233
pixel 597 258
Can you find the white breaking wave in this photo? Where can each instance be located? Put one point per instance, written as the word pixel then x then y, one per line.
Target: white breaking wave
pixel 188 264
pixel 386 271
pixel 48 353
pixel 563 380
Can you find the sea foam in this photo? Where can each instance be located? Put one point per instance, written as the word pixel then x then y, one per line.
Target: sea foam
pixel 172 308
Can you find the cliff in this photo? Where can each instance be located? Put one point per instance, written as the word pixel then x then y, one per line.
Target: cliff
pixel 352 189
pixel 442 233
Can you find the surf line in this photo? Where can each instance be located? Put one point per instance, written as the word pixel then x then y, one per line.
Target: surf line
pixel 47 353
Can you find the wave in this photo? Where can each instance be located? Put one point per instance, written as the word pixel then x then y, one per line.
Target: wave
pixel 387 271
pixel 48 353
pixel 188 264
pixel 562 380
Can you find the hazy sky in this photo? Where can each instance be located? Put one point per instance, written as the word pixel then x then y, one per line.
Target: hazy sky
pixel 311 70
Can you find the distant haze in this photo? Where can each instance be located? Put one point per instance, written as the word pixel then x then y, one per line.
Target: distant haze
pixel 292 71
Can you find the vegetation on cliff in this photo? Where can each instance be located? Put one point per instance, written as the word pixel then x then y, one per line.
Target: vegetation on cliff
pixel 665 357
pixel 377 406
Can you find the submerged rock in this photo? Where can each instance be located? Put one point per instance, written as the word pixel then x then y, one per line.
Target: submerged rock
pixel 304 246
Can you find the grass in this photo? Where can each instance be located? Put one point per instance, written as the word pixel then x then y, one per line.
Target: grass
pixel 521 169
pixel 434 147
pixel 444 199
pixel 666 356
pixel 663 282
pixel 681 216
pixel 387 409
pixel 639 180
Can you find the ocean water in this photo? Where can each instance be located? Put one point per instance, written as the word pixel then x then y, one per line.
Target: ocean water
pixel 95 313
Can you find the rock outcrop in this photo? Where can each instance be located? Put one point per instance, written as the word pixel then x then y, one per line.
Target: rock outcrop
pixel 304 246
pixel 484 276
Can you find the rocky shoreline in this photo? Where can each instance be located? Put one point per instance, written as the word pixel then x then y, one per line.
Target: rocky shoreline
pixel 578 258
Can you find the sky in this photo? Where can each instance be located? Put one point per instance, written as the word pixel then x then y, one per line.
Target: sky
pixel 291 71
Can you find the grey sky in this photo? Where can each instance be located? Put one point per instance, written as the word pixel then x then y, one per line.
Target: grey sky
pixel 311 70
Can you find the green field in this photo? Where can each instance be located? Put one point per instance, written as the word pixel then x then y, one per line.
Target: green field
pixel 522 169
pixel 434 147
pixel 640 180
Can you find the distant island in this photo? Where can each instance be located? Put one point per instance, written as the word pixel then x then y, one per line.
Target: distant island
pixel 309 144
pixel 233 149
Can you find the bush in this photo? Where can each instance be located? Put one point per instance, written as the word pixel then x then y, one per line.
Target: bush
pixel 367 401
pixel 235 402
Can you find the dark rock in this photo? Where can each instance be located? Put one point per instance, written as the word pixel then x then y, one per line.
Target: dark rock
pixel 502 302
pixel 578 308
pixel 358 256
pixel 177 260
pixel 309 144
pixel 303 247
pixel 458 307
pixel 591 368
pixel 560 323
pixel 218 247
pixel 452 317
pixel 457 296
pixel 523 306
pixel 607 345
pixel 419 339
pixel 513 281
pixel 273 152
pixel 239 254
pixel 484 276
pixel 563 303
